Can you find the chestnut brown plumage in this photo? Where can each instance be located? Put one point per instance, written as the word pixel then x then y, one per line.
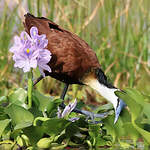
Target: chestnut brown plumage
pixel 73 61
pixel 71 56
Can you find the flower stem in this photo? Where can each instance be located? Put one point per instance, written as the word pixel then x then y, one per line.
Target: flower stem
pixel 30 85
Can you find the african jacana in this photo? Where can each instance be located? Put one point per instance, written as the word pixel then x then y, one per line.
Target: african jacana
pixel 73 61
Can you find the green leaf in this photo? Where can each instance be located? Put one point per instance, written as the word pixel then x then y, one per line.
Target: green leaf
pixel 136 108
pixel 42 100
pixel 44 143
pixel 3 115
pixel 3 98
pixel 34 133
pixel 124 145
pixel 131 131
pixel 146 110
pixel 3 125
pixel 143 132
pixel 71 130
pixel 39 120
pixel 94 130
pixel 18 97
pixel 53 105
pixel 139 98
pixel 55 126
pixel 105 107
pixel 21 117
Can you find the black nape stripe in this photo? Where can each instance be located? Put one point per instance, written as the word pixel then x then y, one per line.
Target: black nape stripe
pixel 118 101
pixel 103 79
pixel 53 26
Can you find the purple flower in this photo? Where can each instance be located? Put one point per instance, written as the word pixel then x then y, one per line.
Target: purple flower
pixel 39 41
pixel 30 51
pixel 73 119
pixel 68 109
pixel 43 59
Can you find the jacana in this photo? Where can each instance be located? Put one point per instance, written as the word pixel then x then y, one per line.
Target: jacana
pixel 73 61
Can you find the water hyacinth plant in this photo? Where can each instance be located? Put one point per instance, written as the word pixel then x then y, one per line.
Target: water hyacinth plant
pixel 30 52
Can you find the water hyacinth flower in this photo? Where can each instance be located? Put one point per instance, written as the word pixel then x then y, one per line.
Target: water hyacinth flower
pixel 30 51
pixel 68 109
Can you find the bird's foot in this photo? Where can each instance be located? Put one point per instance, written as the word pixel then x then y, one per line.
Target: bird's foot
pixel 89 115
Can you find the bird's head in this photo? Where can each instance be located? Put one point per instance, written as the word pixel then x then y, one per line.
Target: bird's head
pixel 98 81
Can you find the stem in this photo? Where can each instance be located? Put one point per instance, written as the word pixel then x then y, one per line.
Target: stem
pixel 30 85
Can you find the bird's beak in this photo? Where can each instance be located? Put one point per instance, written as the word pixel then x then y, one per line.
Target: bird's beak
pixel 118 110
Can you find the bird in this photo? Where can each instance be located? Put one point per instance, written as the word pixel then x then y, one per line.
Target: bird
pixel 73 61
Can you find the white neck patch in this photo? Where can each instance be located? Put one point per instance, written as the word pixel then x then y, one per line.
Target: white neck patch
pixel 106 92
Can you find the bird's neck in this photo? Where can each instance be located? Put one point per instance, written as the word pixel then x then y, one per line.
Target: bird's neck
pixel 106 92
pixel 98 81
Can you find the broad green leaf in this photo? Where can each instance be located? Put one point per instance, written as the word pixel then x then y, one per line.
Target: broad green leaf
pixel 135 110
pixel 18 97
pixel 109 126
pixel 20 116
pixel 53 105
pixel 71 130
pixel 23 125
pixel 146 109
pixel 115 130
pixel 44 143
pixel 143 132
pixel 139 98
pixel 55 126
pixel 136 95
pixel 105 107
pixel 42 100
pixel 3 125
pixel 34 133
pixel 3 115
pixel 124 145
pixel 131 131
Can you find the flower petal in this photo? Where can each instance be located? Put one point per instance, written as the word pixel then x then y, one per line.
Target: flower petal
pixel 74 119
pixel 41 71
pixel 45 67
pixel 24 36
pixel 33 32
pixel 17 40
pixel 68 109
pixel 59 112
pixel 13 49
pixel 33 63
pixel 19 64
pixel 27 67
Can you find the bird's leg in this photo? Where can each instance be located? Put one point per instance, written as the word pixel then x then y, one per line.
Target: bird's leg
pixel 64 91
pixel 89 114
pixel 63 95
pixel 37 80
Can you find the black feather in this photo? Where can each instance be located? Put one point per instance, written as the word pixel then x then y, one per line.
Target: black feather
pixel 103 79
pixel 54 26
